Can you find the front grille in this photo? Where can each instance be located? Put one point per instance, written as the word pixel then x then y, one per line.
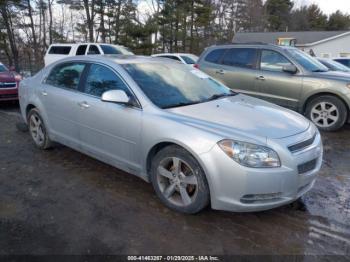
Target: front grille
pixel 7 84
pixel 9 96
pixel 308 166
pixel 300 146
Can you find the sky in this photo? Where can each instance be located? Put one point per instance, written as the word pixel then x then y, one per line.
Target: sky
pixel 328 6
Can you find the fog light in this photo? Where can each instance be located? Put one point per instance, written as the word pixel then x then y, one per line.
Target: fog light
pixel 251 198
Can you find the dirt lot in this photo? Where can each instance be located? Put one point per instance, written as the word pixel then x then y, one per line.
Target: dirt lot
pixel 62 202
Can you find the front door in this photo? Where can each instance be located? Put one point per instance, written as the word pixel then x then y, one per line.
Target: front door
pixel 238 70
pixel 109 130
pixel 275 85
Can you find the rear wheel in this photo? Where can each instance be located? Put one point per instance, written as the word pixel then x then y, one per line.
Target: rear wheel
pixel 328 113
pixel 38 130
pixel 179 181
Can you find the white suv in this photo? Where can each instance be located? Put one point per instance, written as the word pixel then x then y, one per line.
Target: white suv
pixel 60 51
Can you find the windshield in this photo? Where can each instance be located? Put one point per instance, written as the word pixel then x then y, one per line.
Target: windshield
pixel 335 66
pixel 172 85
pixel 3 69
pixel 115 50
pixel 307 61
pixel 189 59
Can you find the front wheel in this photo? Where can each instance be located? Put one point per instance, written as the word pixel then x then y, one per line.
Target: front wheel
pixel 179 181
pixel 328 113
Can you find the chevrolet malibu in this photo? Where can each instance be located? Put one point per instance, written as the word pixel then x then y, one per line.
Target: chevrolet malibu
pixel 193 138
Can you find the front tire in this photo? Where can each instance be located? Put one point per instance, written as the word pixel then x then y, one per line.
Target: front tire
pixel 38 130
pixel 179 180
pixel 327 112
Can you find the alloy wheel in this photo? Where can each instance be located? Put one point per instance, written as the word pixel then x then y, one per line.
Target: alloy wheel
pixel 177 181
pixel 36 129
pixel 324 114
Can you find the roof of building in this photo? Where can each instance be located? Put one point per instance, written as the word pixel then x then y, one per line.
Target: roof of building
pixel 303 37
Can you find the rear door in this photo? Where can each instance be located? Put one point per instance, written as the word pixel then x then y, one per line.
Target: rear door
pixel 238 70
pixel 275 85
pixel 60 96
pixel 109 130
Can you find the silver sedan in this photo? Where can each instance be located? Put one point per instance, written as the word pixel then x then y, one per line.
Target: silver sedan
pixel 194 139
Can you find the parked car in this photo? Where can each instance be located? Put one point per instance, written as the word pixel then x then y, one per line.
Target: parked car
pixel 343 60
pixel 185 58
pixel 194 139
pixel 59 51
pixel 9 80
pixel 334 65
pixel 283 75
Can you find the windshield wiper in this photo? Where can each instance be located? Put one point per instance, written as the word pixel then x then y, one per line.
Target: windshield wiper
pixel 182 104
pixel 217 96
pixel 319 71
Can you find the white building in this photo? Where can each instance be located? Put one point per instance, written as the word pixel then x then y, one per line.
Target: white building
pixel 320 43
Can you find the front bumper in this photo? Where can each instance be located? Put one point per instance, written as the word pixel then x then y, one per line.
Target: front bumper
pixel 7 94
pixel 237 188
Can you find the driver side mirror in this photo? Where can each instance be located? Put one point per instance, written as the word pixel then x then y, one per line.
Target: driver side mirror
pixel 292 69
pixel 12 69
pixel 116 96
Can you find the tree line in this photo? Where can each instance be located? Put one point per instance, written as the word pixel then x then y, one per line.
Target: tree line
pixel 28 27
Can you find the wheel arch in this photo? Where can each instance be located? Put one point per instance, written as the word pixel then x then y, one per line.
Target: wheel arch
pixel 159 146
pixel 313 96
pixel 29 107
pixel 162 144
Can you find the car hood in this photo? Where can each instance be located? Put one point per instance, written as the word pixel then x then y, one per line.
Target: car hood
pixel 7 77
pixel 246 115
pixel 333 75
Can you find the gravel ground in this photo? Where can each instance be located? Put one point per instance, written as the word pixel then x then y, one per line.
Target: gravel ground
pixel 62 202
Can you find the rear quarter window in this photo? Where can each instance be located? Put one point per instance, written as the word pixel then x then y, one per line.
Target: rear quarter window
pixel 60 50
pixel 215 56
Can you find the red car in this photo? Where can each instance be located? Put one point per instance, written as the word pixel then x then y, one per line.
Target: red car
pixel 9 81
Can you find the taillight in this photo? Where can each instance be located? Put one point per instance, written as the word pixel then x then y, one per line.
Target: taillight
pixel 196 66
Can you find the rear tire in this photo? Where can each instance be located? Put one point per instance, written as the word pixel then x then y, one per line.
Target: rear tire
pixel 327 112
pixel 179 180
pixel 38 130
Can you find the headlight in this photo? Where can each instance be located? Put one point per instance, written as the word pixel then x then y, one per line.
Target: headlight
pixel 250 155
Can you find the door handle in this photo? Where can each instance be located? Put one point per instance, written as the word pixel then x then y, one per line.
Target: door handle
pixel 220 72
pixel 260 78
pixel 43 92
pixel 83 105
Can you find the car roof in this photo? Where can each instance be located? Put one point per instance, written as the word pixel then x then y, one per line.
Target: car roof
pixel 254 45
pixel 75 44
pixel 119 59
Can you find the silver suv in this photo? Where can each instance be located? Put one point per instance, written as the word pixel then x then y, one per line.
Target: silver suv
pixel 283 75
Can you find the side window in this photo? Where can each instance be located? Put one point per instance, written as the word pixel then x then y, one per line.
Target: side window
pixel 215 56
pixel 93 50
pixel 101 79
pixel 241 57
pixel 66 75
pixel 81 50
pixel 59 50
pixel 273 61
